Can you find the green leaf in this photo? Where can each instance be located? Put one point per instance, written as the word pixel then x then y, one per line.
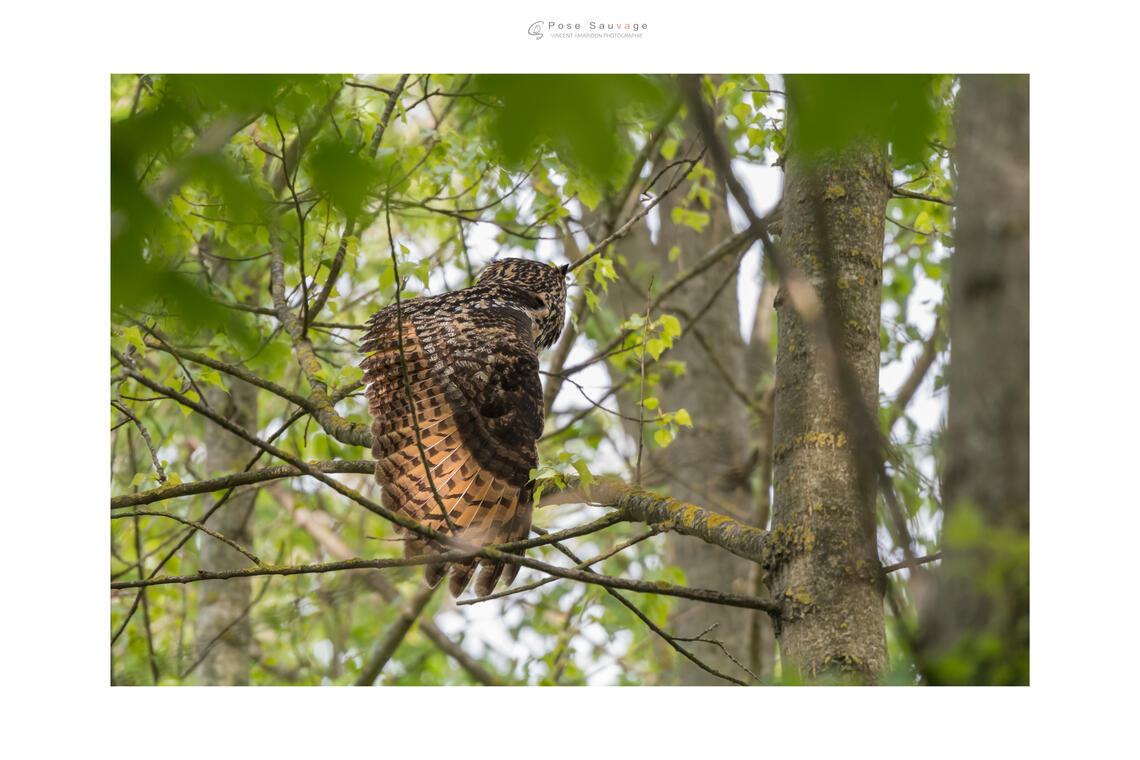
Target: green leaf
pixel 681 416
pixel 663 436
pixel 669 148
pixel 591 300
pixel 634 322
pixel 650 402
pixel 193 396
pixel 211 377
pixel 655 347
pixel 349 375
pixel 585 476
pixel 697 220
pixel 134 337
pixel 423 271
pixel 387 278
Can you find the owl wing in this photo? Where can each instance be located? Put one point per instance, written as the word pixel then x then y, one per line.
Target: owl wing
pixel 473 375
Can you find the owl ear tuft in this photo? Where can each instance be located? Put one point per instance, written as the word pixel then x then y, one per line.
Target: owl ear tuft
pixel 564 269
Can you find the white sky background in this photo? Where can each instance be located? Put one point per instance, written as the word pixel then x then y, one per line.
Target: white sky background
pixel 1085 518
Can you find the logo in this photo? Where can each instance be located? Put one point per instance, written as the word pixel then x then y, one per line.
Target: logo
pixel 583 29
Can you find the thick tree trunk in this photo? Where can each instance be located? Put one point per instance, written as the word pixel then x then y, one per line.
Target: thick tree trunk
pixel 977 629
pixel 222 637
pixel 709 464
pixel 824 557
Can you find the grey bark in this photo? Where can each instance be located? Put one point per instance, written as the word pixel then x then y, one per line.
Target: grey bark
pixel 222 633
pixel 709 464
pixel 824 556
pixel 978 631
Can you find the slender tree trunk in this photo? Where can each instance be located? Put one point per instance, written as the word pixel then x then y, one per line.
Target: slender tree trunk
pixel 977 629
pixel 222 632
pixel 824 556
pixel 222 637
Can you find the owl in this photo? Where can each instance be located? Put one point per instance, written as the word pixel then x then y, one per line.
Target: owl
pixel 472 367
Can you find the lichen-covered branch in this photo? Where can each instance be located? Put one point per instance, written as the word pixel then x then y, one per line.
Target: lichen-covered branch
pixel 162 493
pixel 732 535
pixel 345 431
pixel 633 504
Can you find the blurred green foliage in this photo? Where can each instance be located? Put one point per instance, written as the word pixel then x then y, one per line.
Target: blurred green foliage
pixel 578 116
pixel 834 110
pixel 990 569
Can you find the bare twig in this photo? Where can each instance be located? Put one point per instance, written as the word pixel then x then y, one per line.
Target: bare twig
pixel 912 562
pixel 146 438
pixel 701 637
pixel 641 402
pixel 922 365
pixel 623 230
pixel 583 565
pixel 197 526
pixel 899 192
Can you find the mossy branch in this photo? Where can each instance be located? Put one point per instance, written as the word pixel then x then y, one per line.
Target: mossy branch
pixel 345 431
pixel 633 504
pixel 162 493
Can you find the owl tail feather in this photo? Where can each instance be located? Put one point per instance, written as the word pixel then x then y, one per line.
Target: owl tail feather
pixel 509 573
pixel 488 577
pixel 433 574
pixel 460 576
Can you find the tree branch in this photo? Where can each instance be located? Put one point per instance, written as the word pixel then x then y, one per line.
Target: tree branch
pixel 353 433
pixel 898 192
pixel 409 614
pixel 198 526
pixel 162 493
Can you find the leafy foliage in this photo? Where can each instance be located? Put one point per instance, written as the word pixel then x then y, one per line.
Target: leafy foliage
pixel 211 177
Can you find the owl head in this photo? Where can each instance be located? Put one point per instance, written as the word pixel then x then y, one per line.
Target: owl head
pixel 543 289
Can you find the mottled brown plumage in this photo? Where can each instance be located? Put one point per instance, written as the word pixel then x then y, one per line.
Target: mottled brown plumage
pixel 472 367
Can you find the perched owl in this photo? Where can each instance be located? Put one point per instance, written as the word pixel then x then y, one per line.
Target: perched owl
pixel 472 365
